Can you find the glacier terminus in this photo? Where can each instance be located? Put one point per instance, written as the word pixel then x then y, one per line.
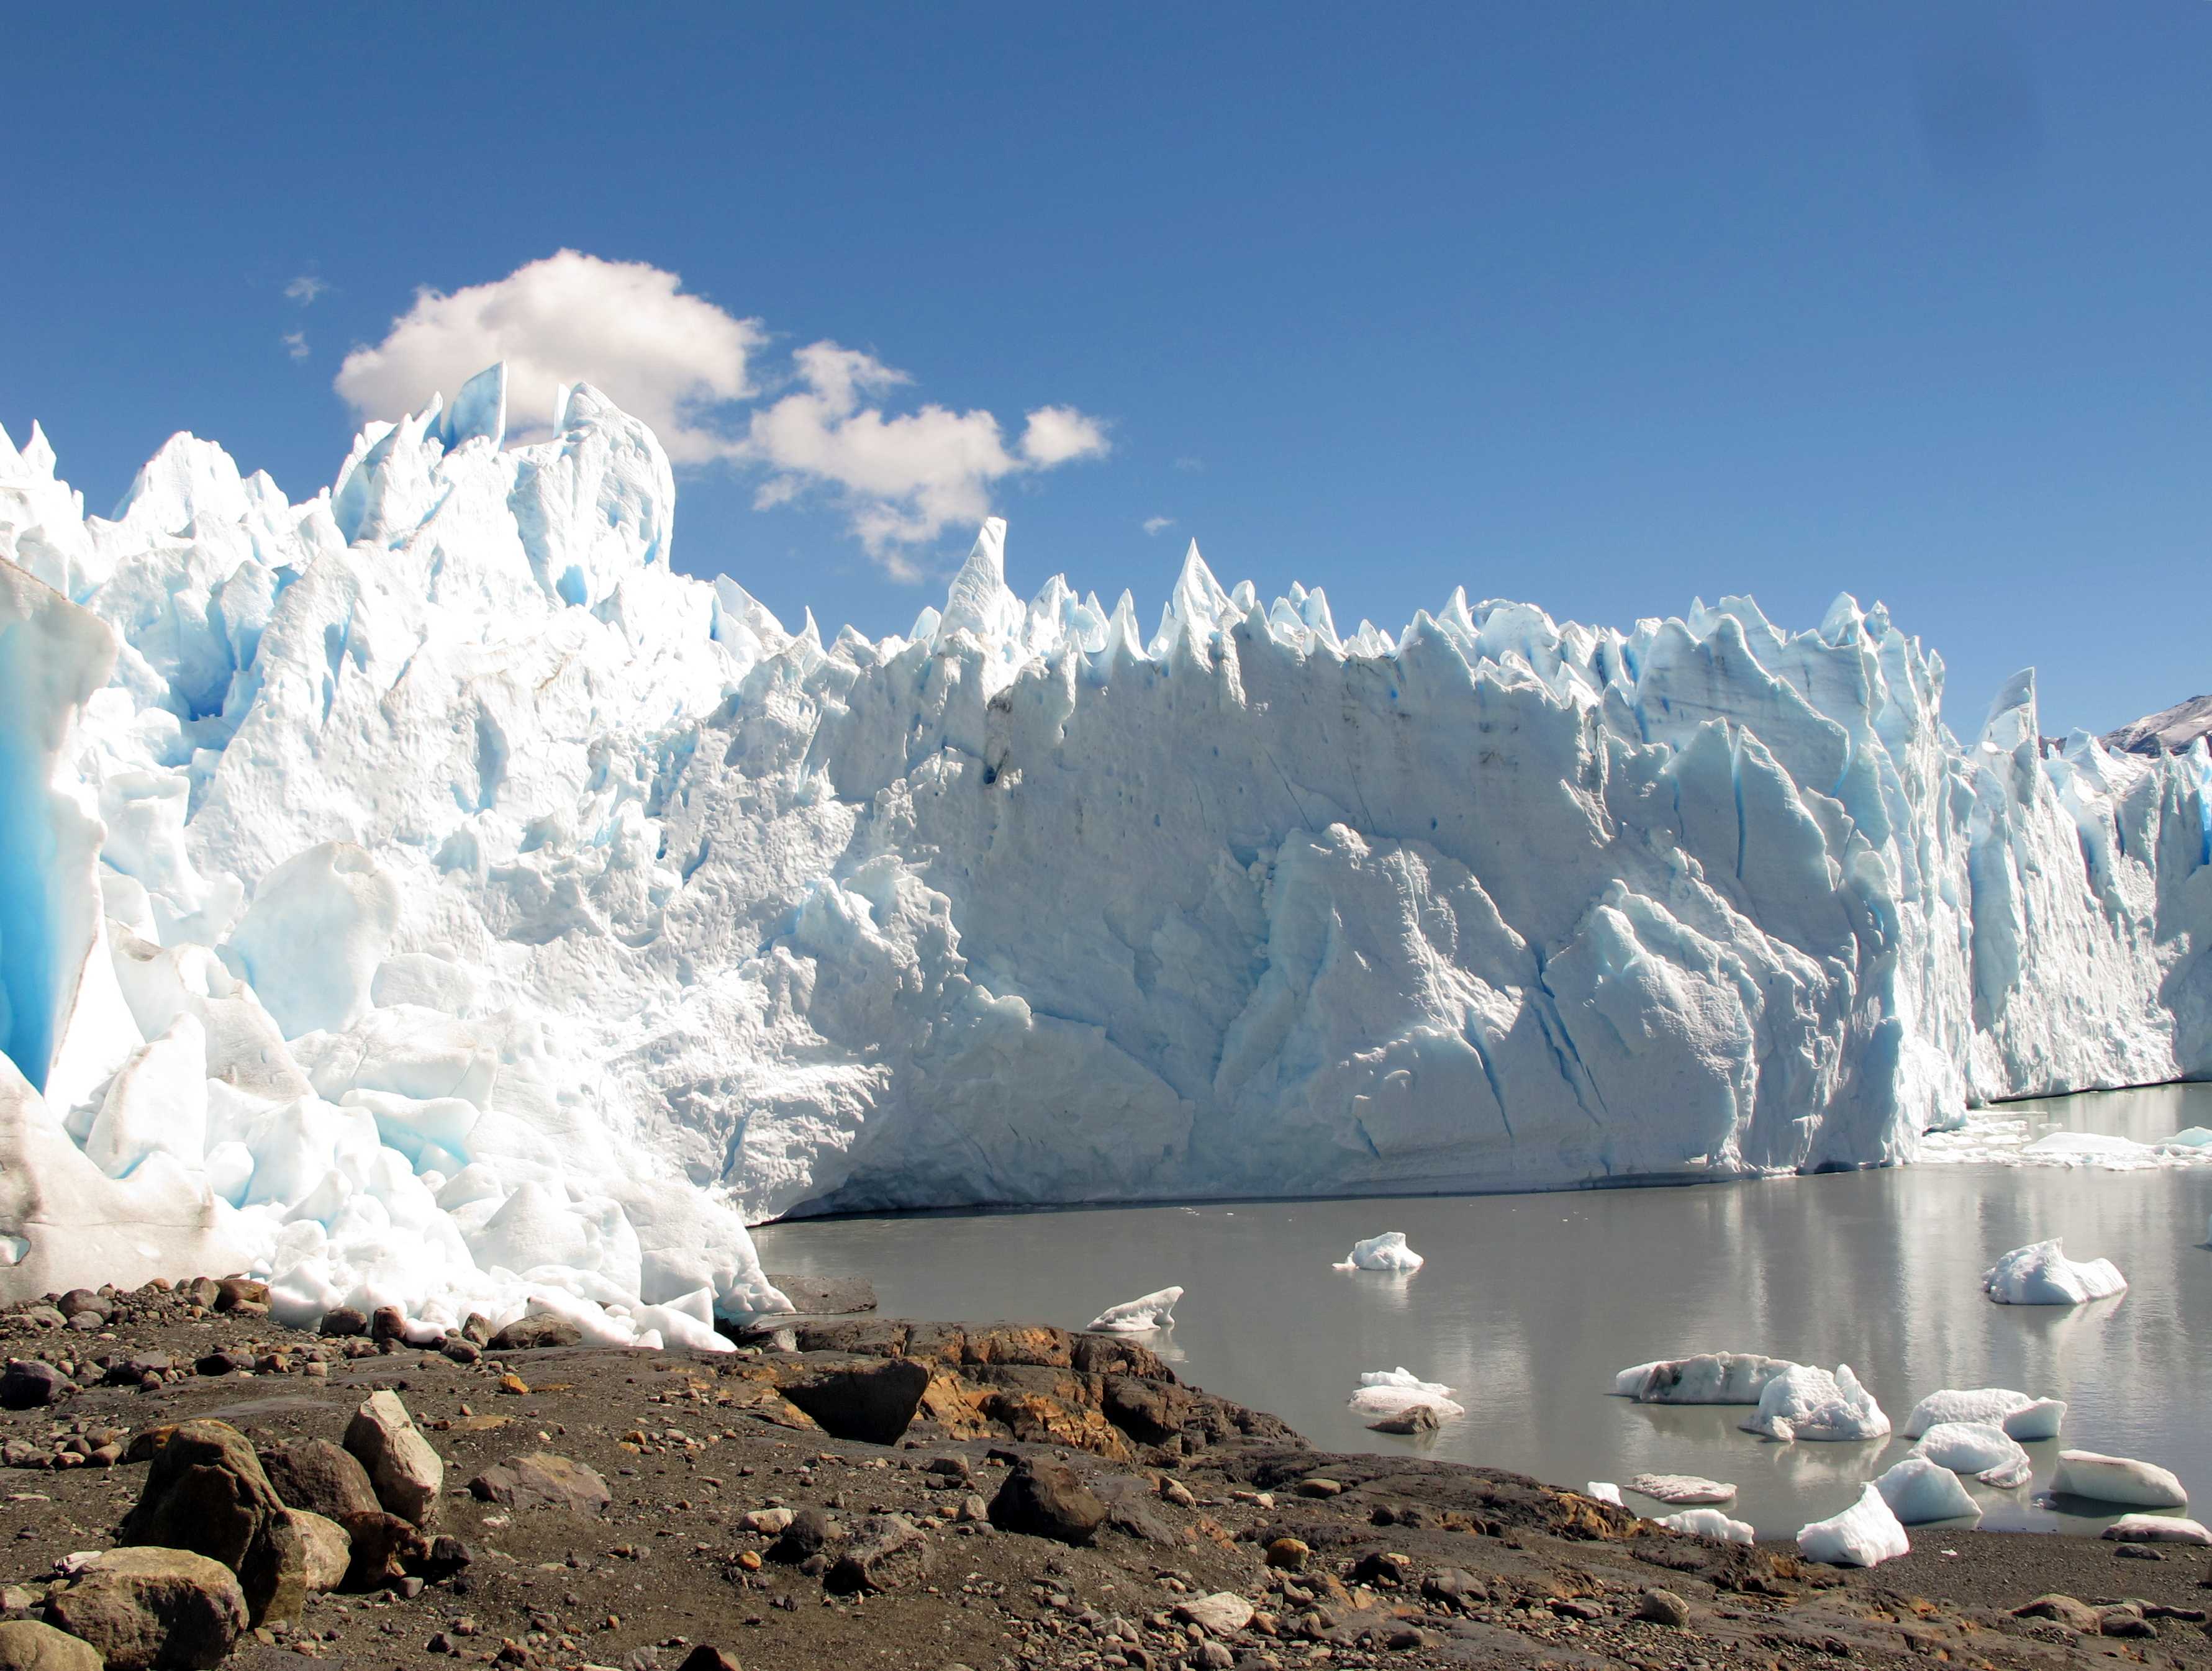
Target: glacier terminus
pixel 422 895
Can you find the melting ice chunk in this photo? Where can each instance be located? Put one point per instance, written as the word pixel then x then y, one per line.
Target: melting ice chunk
pixel 2041 1274
pixel 1682 1488
pixel 1919 1490
pixel 1978 1448
pixel 1707 1524
pixel 1865 1534
pixel 2020 1417
pixel 1708 1377
pixel 1804 1402
pixel 1393 1392
pixel 2117 1480
pixel 1140 1316
pixel 1386 1252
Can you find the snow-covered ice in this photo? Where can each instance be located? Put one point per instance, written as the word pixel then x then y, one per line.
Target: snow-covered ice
pixel 1919 1490
pixel 1806 1402
pixel 1393 1392
pixel 1386 1252
pixel 1686 1488
pixel 1709 1523
pixel 2021 1418
pixel 1140 1316
pixel 1979 1447
pixel 1865 1534
pixel 2041 1274
pixel 2117 1480
pixel 1605 1491
pixel 2158 1529
pixel 1709 1377
pixel 369 858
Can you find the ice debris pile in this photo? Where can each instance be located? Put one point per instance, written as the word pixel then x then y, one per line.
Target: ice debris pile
pixel 423 882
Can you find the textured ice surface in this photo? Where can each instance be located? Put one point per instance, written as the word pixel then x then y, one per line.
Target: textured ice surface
pixel 1865 1534
pixel 2020 1416
pixel 1682 1488
pixel 1709 1377
pixel 2158 1529
pixel 1605 1491
pixel 1393 1392
pixel 2042 1275
pixel 1919 1490
pixel 1979 1447
pixel 1139 1315
pixel 430 838
pixel 1709 1523
pixel 1386 1252
pixel 1804 1402
pixel 2119 1479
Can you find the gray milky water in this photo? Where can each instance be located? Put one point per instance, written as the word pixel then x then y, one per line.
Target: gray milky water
pixel 1529 1305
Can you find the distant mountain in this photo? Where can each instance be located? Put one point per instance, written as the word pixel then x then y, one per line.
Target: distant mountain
pixel 2166 733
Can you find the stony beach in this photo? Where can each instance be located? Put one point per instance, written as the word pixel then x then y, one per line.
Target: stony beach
pixel 853 1490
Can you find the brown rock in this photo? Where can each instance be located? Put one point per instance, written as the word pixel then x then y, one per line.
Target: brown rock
pixel 1663 1607
pixel 2061 1610
pixel 380 1545
pixel 1046 1499
pixel 536 1333
pixel 141 1609
pixel 328 1550
pixel 320 1478
pixel 234 1293
pixel 27 1645
pixel 206 1492
pixel 887 1552
pixel 869 1398
pixel 402 1467
pixel 539 1479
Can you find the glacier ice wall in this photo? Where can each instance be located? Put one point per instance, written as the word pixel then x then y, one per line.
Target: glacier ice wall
pixel 487 914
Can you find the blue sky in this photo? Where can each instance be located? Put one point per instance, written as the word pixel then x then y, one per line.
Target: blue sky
pixel 1602 307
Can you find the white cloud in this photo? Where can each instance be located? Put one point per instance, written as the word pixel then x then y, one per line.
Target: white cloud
pixel 1186 462
pixel 623 326
pixel 295 344
pixel 1152 525
pixel 688 369
pixel 305 288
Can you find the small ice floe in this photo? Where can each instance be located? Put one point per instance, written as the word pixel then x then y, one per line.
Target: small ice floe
pixel 1392 1392
pixel 1979 1447
pixel 2041 1274
pixel 1386 1252
pixel 2190 1138
pixel 1139 1316
pixel 1707 1524
pixel 1804 1402
pixel 1605 1491
pixel 1706 1377
pixel 1865 1534
pixel 1683 1488
pixel 2021 1418
pixel 2117 1480
pixel 2157 1529
pixel 1919 1490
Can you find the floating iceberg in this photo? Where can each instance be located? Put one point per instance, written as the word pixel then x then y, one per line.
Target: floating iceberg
pixel 1386 1252
pixel 2041 1274
pixel 1682 1488
pixel 2021 1418
pixel 1919 1490
pixel 367 858
pixel 1605 1491
pixel 1865 1534
pixel 1981 1448
pixel 1804 1402
pixel 2117 1480
pixel 1388 1393
pixel 1139 1315
pixel 2190 1137
pixel 1711 1377
pixel 1707 1524
pixel 2157 1529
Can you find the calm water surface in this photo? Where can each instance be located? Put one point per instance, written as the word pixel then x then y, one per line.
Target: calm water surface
pixel 1529 1303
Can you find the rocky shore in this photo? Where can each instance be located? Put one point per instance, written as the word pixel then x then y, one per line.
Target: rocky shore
pixel 861 1490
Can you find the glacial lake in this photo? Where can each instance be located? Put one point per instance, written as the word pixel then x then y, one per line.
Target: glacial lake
pixel 1529 1305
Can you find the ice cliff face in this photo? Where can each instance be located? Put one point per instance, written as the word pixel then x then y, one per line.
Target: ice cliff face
pixel 441 899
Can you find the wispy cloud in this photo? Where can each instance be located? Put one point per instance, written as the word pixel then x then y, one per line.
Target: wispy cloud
pixel 305 288
pixel 820 424
pixel 1152 525
pixel 1190 463
pixel 295 344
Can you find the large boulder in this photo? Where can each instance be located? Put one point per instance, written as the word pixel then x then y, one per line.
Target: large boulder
pixel 869 1398
pixel 327 1548
pixel 404 1471
pixel 149 1610
pixel 537 1334
pixel 27 1383
pixel 1046 1499
pixel 888 1551
pixel 27 1645
pixel 319 1477
pixel 380 1547
pixel 539 1479
pixel 205 1491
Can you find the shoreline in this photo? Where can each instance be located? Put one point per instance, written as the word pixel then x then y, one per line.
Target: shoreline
pixel 901 1439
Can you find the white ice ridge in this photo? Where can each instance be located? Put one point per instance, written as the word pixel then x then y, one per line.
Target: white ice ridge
pixel 1919 1490
pixel 366 859
pixel 1386 1252
pixel 1388 1393
pixel 2020 1417
pixel 1979 1447
pixel 1707 1378
pixel 1709 1523
pixel 2041 1274
pixel 1140 1316
pixel 1804 1402
pixel 1865 1534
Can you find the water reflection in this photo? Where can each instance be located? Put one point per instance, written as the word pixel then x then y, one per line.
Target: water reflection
pixel 1529 1303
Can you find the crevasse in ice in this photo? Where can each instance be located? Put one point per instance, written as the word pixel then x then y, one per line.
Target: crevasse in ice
pixel 422 893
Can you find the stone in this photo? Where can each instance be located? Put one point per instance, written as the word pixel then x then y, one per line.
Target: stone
pixel 320 1478
pixel 536 1335
pixel 887 1552
pixel 2061 1610
pixel 83 1299
pixel 2126 1622
pixel 1288 1554
pixel 29 1383
pixel 1222 1613
pixel 143 1608
pixel 27 1645
pixel 387 1322
pixel 703 1658
pixel 239 1293
pixel 807 1535
pixel 382 1545
pixel 1455 1587
pixel 328 1550
pixel 461 1349
pixel 476 1329
pixel 205 1491
pixel 1383 1567
pixel 949 1471
pixel 1317 1485
pixel 1663 1607
pixel 1414 1420
pixel 1046 1499
pixel 2137 1552
pixel 540 1480
pixel 767 1522
pixel 1174 1492
pixel 402 1469
pixel 871 1399
pixel 342 1320
pixel 1212 1655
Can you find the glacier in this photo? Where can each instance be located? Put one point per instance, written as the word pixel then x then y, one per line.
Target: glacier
pixel 422 894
